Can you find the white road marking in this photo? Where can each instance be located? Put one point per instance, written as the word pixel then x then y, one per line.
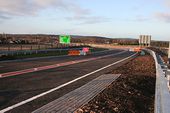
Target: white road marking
pixel 61 86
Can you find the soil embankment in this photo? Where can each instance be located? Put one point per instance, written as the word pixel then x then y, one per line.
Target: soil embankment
pixel 132 92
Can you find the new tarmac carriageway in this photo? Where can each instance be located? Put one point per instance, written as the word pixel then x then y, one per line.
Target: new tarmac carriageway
pixel 30 91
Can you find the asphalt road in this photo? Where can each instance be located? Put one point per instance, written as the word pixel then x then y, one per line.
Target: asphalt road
pixel 19 88
pixel 24 64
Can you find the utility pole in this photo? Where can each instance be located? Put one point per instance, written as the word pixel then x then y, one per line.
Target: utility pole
pixel 4 36
pixel 169 53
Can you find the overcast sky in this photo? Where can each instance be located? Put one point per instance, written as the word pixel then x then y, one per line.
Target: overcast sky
pixel 110 18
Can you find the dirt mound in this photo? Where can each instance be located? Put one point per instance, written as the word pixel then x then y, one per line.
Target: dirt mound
pixel 132 92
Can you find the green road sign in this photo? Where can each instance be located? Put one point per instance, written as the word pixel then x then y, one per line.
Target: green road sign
pixel 64 39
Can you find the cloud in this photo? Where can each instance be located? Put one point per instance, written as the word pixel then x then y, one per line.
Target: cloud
pixel 4 17
pixel 163 16
pixel 32 7
pixel 167 3
pixel 16 7
pixel 88 19
pixel 95 20
pixel 12 8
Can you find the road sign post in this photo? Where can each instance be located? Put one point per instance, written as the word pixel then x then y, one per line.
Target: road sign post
pixel 64 39
pixel 145 40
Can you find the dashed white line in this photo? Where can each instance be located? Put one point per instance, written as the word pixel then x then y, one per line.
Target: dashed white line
pixel 61 86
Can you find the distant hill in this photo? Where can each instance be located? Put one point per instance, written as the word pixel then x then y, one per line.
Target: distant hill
pixel 45 38
pixel 49 39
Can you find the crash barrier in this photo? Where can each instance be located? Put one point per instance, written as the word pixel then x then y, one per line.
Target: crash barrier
pixel 25 52
pixel 73 52
pixel 162 94
pixel 162 49
pixel 168 77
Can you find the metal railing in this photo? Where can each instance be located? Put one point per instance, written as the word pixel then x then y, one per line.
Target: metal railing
pixel 162 92
pixel 34 51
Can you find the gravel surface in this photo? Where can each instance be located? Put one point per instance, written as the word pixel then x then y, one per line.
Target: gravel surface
pixel 132 92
